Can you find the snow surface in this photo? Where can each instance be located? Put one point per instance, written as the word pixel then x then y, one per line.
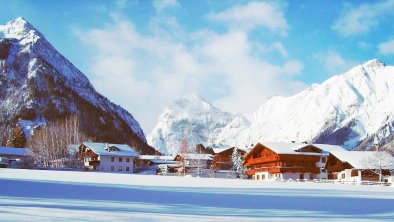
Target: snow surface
pixel 32 195
pixel 358 102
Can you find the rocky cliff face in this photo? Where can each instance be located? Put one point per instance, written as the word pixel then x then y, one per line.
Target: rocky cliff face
pixel 39 85
pixel 355 110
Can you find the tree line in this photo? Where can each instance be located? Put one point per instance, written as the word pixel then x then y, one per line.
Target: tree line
pixel 56 142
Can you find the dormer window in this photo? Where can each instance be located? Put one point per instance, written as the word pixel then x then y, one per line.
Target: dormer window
pixel 112 149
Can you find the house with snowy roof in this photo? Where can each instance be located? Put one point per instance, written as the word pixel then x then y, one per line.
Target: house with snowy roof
pixel 284 161
pixel 359 166
pixel 10 156
pixel 191 162
pixel 164 163
pixel 223 157
pixel 105 157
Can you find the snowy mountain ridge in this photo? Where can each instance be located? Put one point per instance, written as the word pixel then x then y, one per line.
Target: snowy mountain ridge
pixel 188 116
pixel 42 85
pixel 354 110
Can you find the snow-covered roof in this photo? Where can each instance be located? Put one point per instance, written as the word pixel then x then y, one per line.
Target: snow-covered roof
pixel 164 161
pixel 156 157
pixel 291 148
pixel 102 149
pixel 222 149
pixel 359 159
pixel 284 148
pixel 11 151
pixel 328 147
pixel 192 156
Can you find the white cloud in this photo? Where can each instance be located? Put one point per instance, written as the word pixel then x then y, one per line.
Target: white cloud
pixel 161 5
pixel 281 49
pixel 145 72
pixel 334 63
pixel 363 18
pixel 254 14
pixel 386 48
pixel 364 45
pixel 293 67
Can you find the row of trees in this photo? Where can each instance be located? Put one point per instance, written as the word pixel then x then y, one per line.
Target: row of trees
pixel 51 143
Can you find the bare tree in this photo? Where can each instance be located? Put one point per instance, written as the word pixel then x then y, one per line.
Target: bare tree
pixel 380 161
pixel 5 134
pixel 52 142
pixel 182 152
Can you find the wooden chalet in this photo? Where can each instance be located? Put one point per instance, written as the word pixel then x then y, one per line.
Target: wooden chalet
pixel 222 159
pixel 283 161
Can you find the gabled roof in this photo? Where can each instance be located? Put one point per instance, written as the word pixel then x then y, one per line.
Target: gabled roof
pixel 284 148
pixel 359 159
pixel 192 156
pixel 329 148
pixel 11 151
pixel 164 161
pixel 156 157
pixel 102 149
pixel 222 149
pixel 288 148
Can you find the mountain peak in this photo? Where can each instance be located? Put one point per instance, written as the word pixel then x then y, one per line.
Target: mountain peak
pixel 190 100
pixel 374 63
pixel 20 28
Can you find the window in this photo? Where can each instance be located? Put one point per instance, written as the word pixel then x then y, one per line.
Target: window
pixel 120 168
pixel 112 159
pixel 127 168
pixel 263 177
pixel 127 160
pixel 324 159
pixel 343 176
pixel 120 159
pixel 112 168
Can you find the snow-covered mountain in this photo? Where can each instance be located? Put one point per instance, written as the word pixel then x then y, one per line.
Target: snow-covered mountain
pixel 38 84
pixel 355 110
pixel 191 117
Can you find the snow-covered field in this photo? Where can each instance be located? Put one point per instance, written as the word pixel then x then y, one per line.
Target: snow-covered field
pixel 33 195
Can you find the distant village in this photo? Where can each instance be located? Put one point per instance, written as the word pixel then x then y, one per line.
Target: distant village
pixel 271 161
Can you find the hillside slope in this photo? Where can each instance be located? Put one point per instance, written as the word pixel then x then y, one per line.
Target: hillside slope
pixel 39 85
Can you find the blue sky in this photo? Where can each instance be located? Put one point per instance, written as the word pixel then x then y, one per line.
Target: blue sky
pixel 236 54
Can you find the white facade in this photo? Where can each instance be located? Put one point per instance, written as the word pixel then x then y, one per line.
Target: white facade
pixel 346 175
pixel 118 164
pixel 115 164
pixel 287 176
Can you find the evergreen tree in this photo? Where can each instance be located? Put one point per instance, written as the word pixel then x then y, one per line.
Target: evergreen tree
pixel 238 167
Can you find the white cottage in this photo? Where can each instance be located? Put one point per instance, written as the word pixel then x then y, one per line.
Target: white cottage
pixel 104 157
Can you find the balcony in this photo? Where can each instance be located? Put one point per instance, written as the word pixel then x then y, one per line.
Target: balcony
pixel 94 163
pixel 261 160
